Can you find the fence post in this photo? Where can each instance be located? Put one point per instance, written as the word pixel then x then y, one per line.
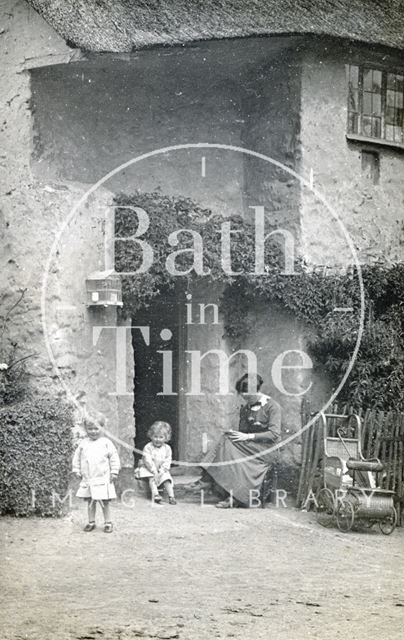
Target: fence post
pixel 305 416
pixel 400 469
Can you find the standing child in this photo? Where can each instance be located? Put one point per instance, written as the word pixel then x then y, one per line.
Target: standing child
pixel 96 463
pixel 156 462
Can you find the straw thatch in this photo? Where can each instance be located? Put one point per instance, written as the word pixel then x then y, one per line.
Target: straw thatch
pixel 124 25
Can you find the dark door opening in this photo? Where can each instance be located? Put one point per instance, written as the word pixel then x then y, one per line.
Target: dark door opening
pixel 162 315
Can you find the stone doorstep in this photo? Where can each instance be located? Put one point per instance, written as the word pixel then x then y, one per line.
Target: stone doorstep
pixel 140 489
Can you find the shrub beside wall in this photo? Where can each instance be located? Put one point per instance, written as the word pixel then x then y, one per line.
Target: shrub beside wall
pixel 35 456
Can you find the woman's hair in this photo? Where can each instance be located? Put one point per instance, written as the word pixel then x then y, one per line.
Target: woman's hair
pixel 249 383
pixel 158 428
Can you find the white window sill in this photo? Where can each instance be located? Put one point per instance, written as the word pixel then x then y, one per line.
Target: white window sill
pixel 354 137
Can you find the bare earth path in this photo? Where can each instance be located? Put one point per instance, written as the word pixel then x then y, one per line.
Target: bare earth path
pixel 189 572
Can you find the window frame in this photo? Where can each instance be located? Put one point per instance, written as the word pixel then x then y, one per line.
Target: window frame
pixel 360 137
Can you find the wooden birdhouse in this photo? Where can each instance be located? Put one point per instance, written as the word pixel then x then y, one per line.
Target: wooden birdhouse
pixel 104 289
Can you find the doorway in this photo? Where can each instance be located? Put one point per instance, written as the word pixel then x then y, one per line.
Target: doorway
pixel 150 404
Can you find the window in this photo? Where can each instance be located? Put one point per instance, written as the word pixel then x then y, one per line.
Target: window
pixel 376 104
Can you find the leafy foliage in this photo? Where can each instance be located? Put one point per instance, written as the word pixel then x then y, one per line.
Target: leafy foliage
pixel 13 373
pixel 377 377
pixel 35 436
pixel 13 376
pixel 35 456
pixel 168 215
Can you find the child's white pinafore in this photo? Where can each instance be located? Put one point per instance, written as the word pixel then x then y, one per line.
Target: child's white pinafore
pixel 158 459
pixel 96 460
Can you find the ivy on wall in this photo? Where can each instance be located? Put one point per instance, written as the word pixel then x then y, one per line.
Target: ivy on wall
pixel 167 215
pixel 377 377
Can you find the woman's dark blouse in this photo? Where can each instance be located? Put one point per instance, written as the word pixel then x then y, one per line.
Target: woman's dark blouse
pixel 264 422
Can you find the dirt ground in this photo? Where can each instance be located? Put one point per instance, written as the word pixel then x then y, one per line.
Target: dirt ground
pixel 192 573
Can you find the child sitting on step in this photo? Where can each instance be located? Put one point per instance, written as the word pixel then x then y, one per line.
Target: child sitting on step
pixel 156 462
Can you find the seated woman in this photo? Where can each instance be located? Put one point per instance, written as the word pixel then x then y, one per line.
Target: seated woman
pixel 241 459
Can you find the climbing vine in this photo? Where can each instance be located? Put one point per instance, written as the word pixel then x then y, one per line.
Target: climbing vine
pixel 327 303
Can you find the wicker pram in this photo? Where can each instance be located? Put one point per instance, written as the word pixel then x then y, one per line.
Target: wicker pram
pixel 350 494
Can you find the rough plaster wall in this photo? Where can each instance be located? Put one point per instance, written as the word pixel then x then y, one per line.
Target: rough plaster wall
pixel 107 110
pixel 272 128
pixel 371 213
pixel 84 352
pixel 111 111
pixel 275 332
pixel 31 213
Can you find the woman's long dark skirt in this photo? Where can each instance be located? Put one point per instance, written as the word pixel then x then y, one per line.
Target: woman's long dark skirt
pixel 240 478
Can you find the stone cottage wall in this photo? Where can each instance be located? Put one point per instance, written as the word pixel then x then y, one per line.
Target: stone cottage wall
pixel 95 114
pixel 372 211
pixel 32 211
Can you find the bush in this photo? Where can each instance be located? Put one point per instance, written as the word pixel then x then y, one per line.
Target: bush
pixel 35 456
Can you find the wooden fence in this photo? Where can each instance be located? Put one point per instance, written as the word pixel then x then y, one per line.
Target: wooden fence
pixel 382 437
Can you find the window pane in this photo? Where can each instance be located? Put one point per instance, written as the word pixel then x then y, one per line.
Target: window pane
pixel 399 99
pixel 377 82
pixel 389 132
pixel 400 83
pixel 367 79
pixel 367 103
pixel 391 81
pixel 367 126
pixel 394 116
pixel 377 104
pixel 398 134
pixel 395 81
pixel 391 115
pixel 376 128
pixel 390 96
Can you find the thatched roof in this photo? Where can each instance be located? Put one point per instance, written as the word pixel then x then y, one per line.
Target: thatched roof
pixel 124 25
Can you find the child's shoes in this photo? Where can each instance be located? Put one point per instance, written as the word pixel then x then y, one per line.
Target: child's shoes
pixel 90 526
pixel 157 499
pixel 172 501
pixel 108 527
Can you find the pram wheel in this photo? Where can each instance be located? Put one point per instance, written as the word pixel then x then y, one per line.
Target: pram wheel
pixel 324 507
pixel 388 525
pixel 345 515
